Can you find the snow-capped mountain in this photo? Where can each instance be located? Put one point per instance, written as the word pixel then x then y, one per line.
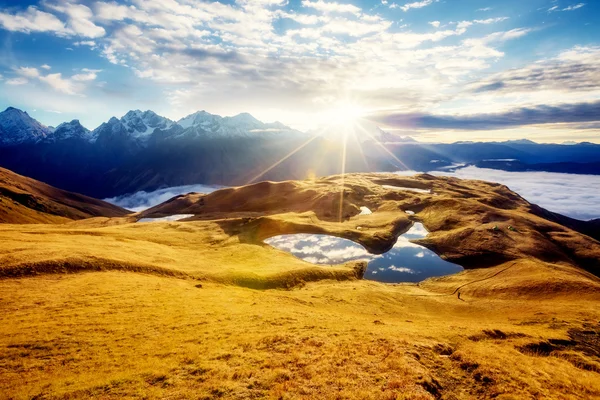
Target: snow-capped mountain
pixel 17 127
pixel 70 130
pixel 136 128
pixel 204 124
pixel 141 124
pixel 136 124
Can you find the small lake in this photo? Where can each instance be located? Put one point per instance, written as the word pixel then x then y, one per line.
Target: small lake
pixel 405 262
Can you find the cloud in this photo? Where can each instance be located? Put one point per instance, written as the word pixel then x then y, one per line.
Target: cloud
pixel 568 194
pixel 401 269
pixel 17 81
pixel 31 20
pixel 140 201
pixel 86 75
pixel 574 69
pixel 572 7
pixel 28 72
pixel 68 85
pixel 542 114
pixel 330 6
pixel 79 19
pixel 46 67
pixel 417 4
pixel 242 55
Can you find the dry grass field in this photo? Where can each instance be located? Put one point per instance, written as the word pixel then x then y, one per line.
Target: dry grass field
pixel 202 309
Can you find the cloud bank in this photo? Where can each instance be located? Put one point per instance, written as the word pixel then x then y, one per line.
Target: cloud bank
pixel 140 201
pixel 572 195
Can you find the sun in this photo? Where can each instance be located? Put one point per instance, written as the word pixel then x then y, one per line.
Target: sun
pixel 343 115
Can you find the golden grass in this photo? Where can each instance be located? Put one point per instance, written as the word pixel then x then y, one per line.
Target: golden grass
pixel 172 313
pixel 116 335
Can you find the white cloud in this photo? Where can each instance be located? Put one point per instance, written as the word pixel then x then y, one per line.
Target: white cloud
pixel 401 269
pixel 568 194
pixel 45 66
pixel 142 200
pixel 435 24
pixel 28 72
pixel 572 7
pixel 331 6
pixel 417 4
pixel 86 75
pixel 67 85
pixel 79 19
pixel 31 20
pixel 89 43
pixel 58 83
pixel 17 81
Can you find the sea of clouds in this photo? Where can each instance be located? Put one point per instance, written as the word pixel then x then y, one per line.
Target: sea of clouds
pixel 140 201
pixel 573 195
pixel 577 196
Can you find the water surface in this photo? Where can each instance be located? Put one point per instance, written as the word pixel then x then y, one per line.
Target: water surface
pixel 405 262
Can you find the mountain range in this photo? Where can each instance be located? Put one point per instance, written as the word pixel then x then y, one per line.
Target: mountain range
pixel 145 151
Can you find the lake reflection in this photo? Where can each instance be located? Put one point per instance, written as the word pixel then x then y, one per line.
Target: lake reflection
pixel 405 262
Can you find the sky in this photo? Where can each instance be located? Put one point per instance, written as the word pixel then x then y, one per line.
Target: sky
pixel 438 70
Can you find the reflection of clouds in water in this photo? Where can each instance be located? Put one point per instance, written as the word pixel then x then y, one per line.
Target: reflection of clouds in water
pixel 321 249
pixel 325 249
pixel 406 262
pixel 401 269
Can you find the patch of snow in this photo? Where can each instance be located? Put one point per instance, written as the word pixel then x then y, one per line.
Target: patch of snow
pixel 410 212
pixel 406 188
pixel 365 211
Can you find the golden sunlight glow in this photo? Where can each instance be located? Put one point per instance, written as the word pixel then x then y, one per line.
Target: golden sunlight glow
pixel 343 115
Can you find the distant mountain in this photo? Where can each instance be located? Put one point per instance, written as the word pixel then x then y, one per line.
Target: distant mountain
pixel 204 124
pixel 70 131
pixel 519 141
pixel 145 151
pixel 17 127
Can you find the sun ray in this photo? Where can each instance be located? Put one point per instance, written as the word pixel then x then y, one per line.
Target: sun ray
pixel 282 159
pixel 345 142
pixel 382 146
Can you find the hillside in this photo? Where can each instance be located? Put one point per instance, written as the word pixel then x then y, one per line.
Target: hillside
pixel 203 308
pixel 27 201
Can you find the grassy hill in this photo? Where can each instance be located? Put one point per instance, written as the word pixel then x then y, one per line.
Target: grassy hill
pixel 202 308
pixel 27 201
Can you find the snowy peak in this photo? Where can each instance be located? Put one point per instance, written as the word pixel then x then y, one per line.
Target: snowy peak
pixel 204 124
pixel 17 127
pixel 136 124
pixel 141 124
pixel 200 118
pixel 70 130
